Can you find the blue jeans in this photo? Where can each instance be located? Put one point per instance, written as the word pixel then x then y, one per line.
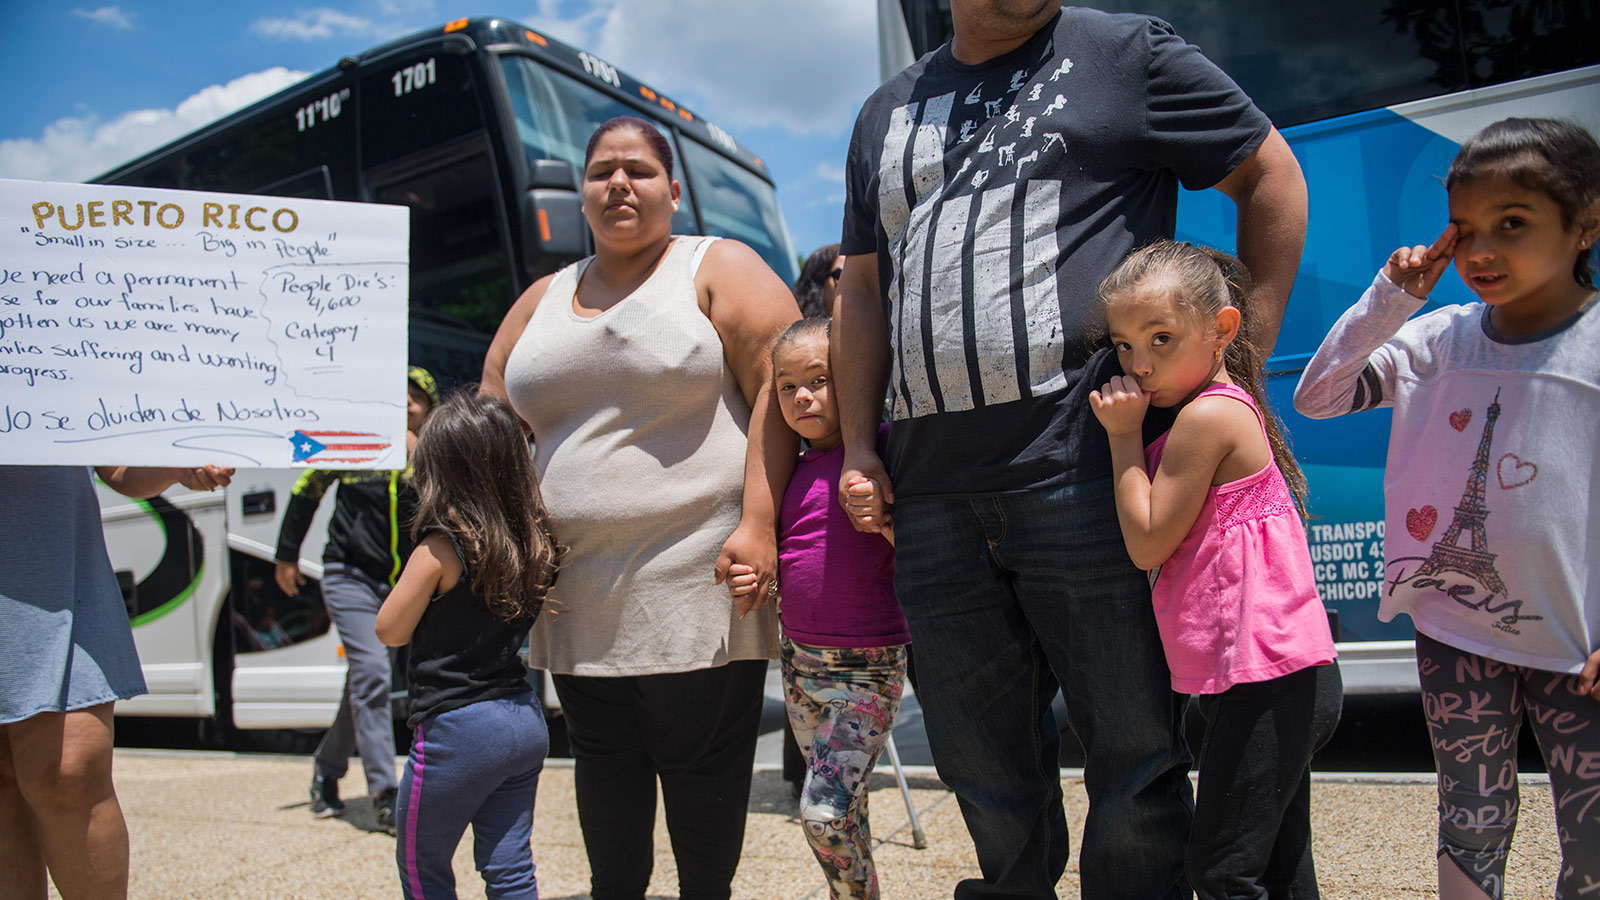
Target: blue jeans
pixel 1009 597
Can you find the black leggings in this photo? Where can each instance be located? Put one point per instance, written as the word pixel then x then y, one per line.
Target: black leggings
pixel 1252 809
pixel 696 731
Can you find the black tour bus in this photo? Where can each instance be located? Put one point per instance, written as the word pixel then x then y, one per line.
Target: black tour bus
pixel 478 127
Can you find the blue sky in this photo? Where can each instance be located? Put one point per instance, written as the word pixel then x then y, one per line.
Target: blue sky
pixel 94 85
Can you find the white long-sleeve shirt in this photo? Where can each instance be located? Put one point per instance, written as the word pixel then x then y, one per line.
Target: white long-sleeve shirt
pixel 1493 531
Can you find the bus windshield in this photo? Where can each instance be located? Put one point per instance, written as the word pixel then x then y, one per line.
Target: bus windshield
pixel 737 204
pixel 556 114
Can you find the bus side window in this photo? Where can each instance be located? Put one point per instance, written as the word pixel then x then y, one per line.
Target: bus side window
pixel 1520 39
pixel 269 153
pixel 313 184
pixel 1306 61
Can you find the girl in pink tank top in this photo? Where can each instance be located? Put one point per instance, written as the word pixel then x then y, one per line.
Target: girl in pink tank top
pixel 1213 509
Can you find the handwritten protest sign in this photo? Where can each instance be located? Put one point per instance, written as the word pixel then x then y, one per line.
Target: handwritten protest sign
pixel 154 327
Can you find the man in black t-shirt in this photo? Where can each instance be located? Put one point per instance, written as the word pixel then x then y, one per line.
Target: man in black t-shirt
pixel 990 187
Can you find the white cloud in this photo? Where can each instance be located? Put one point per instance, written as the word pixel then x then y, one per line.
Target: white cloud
pixel 832 177
pixel 315 24
pixel 578 28
pixel 75 148
pixel 802 67
pixel 107 15
pixel 409 9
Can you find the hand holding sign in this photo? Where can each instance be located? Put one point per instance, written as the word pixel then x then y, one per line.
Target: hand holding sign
pixel 141 326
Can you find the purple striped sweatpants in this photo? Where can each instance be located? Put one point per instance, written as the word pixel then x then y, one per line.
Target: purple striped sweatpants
pixel 477 765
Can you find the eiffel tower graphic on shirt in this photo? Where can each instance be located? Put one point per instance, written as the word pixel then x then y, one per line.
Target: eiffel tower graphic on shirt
pixel 1448 555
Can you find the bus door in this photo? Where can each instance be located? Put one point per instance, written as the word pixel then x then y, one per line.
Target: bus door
pixel 424 146
pixel 265 640
pixel 461 281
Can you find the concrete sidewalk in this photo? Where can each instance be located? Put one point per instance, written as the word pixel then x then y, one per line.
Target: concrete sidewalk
pixel 220 825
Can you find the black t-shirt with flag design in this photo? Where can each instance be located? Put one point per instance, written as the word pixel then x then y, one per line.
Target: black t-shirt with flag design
pixel 997 197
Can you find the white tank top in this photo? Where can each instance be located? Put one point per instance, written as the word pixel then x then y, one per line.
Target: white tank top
pixel 639 432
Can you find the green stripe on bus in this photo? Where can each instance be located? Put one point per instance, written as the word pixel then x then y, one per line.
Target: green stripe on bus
pixel 183 595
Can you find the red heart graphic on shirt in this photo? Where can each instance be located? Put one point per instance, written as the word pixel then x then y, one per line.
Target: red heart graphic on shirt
pixel 1519 472
pixel 1460 418
pixel 1420 522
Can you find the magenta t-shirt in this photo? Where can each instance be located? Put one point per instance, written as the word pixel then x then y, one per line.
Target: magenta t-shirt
pixel 837 583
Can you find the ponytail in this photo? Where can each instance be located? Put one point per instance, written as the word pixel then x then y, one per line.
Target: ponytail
pixel 1245 362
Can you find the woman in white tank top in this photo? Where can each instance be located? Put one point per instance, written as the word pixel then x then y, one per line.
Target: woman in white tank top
pixel 642 374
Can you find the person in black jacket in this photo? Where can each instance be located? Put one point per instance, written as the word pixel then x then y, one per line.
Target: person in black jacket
pixel 368 541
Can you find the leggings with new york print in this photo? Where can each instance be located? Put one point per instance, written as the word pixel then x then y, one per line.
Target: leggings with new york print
pixel 1475 708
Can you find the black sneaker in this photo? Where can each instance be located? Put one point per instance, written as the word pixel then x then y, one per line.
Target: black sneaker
pixel 383 810
pixel 325 800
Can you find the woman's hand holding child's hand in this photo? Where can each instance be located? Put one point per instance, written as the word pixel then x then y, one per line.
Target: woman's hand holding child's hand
pixel 750 551
pixel 1417 269
pixel 741 579
pixel 1120 405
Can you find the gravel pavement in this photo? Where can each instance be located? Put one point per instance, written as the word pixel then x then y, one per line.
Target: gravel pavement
pixel 221 825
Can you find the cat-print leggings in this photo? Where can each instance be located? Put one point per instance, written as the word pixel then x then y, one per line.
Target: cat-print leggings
pixel 1475 708
pixel 841 704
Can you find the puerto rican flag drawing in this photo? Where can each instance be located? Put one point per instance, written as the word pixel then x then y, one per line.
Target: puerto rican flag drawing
pixel 324 447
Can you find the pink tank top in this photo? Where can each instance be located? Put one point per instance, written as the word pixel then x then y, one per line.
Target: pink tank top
pixel 1237 601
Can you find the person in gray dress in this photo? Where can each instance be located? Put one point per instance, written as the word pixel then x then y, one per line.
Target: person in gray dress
pixel 66 656
pixel 642 374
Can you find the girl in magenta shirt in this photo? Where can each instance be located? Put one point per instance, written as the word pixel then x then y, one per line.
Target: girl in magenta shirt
pixel 1212 507
pixel 844 636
